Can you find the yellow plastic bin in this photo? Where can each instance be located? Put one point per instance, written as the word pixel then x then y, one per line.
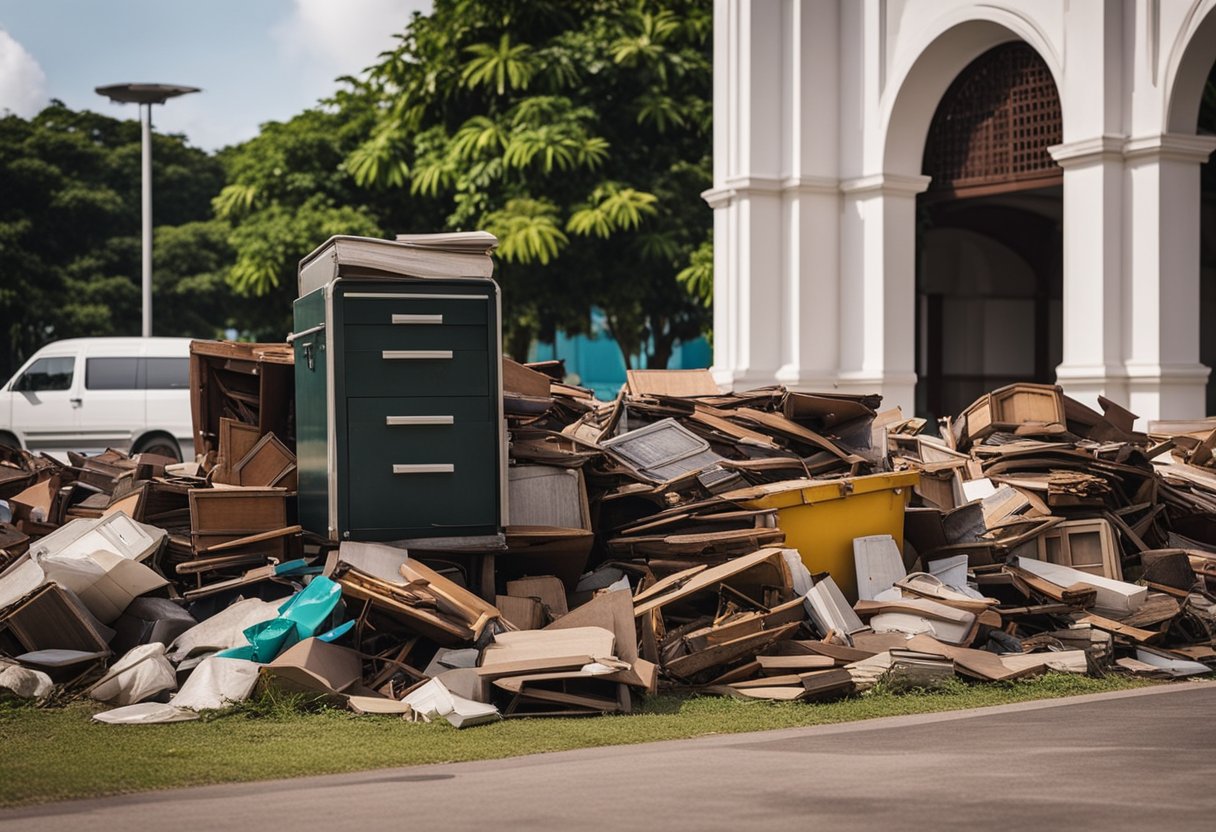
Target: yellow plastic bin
pixel 820 518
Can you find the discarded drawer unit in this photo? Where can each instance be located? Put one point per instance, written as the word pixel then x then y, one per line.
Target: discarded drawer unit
pixel 400 430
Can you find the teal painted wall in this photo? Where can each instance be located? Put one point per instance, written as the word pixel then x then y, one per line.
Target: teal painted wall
pixel 595 361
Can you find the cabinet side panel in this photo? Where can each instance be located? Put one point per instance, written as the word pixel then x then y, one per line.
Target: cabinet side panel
pixel 312 421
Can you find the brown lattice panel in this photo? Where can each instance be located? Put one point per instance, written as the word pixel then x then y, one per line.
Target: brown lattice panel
pixel 992 128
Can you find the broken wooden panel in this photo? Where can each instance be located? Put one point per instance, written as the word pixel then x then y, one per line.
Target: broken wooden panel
pixel 1085 545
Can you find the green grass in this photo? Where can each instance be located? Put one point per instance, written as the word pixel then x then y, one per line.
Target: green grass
pixel 59 753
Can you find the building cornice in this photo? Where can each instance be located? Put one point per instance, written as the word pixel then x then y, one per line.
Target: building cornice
pixel 886 184
pixel 744 186
pixel 1088 151
pixel 1175 147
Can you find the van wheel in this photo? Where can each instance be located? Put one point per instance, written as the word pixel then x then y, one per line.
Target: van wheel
pixel 161 446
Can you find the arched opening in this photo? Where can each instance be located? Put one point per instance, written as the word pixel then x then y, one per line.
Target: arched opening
pixel 989 241
pixel 1207 241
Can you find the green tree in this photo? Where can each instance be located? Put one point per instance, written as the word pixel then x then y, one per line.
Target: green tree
pixel 287 193
pixel 578 132
pixel 70 225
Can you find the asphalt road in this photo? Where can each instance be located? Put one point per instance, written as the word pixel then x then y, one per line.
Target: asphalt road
pixel 1133 760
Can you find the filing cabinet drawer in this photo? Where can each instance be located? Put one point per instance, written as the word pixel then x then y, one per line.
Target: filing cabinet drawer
pixel 427 474
pixel 361 338
pixel 422 425
pixel 368 308
pixel 397 372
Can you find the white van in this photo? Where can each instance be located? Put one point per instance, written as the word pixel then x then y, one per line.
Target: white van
pixel 89 394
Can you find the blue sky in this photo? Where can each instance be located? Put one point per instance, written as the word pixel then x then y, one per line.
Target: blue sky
pixel 256 60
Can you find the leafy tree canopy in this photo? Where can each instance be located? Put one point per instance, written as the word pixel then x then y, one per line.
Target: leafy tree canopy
pixel 70 226
pixel 578 132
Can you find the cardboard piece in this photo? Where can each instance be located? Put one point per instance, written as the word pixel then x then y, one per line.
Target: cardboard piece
pixel 106 582
pixel 313 666
pixel 378 705
pixel 523 381
pixel 674 383
pixel 521 613
pixel 546 589
pixel 765 567
pixel 527 645
pixel 612 611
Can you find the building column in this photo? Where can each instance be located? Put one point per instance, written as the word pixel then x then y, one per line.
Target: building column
pixel 748 284
pixel 1093 269
pixel 878 288
pixel 1165 379
pixel 746 196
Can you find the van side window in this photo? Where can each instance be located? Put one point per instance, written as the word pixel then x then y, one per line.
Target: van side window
pixel 47 374
pixel 111 373
pixel 167 373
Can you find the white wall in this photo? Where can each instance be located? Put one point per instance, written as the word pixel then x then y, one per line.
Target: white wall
pixel 821 113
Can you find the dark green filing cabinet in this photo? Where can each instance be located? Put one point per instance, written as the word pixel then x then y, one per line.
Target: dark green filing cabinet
pixel 399 425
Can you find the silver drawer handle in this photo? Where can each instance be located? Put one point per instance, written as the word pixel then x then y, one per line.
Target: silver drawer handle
pixel 395 421
pixel 417 319
pixel 441 468
pixel 391 355
pixel 293 336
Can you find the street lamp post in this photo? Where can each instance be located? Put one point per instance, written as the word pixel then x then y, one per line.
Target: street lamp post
pixel 145 95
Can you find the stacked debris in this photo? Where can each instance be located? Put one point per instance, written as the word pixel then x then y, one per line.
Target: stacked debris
pixel 766 544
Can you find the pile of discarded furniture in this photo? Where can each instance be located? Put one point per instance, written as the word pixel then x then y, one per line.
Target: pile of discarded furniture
pixel 386 514
pixel 766 544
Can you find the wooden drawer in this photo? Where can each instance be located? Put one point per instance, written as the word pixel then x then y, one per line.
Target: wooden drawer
pixel 439 309
pixel 416 337
pixel 398 372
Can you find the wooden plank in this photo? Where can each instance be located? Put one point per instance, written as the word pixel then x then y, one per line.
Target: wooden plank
pixel 1119 628
pixel 774 665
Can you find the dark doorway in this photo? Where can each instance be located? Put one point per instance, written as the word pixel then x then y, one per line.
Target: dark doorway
pixel 989 235
pixel 1207 242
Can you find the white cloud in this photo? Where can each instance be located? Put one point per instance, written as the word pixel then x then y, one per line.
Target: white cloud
pixel 342 37
pixel 22 81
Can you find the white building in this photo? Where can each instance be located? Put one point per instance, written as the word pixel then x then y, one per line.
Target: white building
pixel 929 198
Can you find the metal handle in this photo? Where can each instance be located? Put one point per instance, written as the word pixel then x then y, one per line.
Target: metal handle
pixel 396 421
pixel 76 402
pixel 438 468
pixel 293 336
pixel 392 355
pixel 417 319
